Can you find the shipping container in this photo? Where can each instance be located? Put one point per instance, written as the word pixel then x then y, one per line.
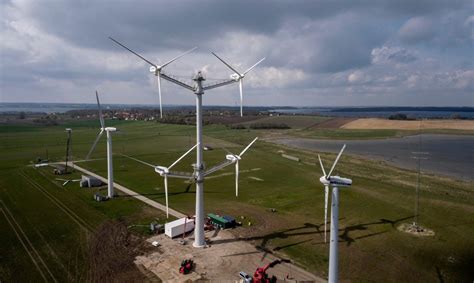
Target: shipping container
pixel 178 227
pixel 222 222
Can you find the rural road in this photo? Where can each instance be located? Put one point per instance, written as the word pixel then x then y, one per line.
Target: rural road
pixel 127 191
pixel 449 155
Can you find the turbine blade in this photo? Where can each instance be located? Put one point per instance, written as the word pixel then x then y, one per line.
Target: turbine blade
pixel 177 57
pixel 254 65
pixel 225 63
pixel 65 183
pixel 227 151
pixel 182 156
pixel 101 117
pixel 159 93
pixel 237 178
pixel 241 97
pixel 140 56
pixel 326 193
pixel 322 167
pixel 166 195
pixel 138 160
pixel 248 146
pixel 94 144
pixel 335 161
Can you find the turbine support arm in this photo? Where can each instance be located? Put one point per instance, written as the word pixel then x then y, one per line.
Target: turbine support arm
pixel 226 82
pixel 180 175
pixel 218 167
pixel 175 81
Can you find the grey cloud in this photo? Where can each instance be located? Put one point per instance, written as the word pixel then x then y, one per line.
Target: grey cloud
pixel 386 54
pixel 417 29
pixel 61 48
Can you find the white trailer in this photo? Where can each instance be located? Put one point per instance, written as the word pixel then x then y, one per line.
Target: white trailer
pixel 179 227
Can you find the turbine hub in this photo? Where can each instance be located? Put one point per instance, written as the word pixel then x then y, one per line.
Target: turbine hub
pixel 324 181
pixel 155 70
pixel 235 77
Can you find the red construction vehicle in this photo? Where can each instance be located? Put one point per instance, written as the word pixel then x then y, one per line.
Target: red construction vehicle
pixel 261 276
pixel 187 266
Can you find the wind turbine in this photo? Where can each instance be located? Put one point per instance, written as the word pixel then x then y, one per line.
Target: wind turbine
pixel 165 172
pixel 198 88
pixel 109 130
pixel 335 182
pixel 155 68
pixel 239 77
pixel 235 159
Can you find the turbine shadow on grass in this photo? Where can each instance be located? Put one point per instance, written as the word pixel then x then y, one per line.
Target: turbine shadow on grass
pixel 364 226
pixel 276 235
pixel 284 234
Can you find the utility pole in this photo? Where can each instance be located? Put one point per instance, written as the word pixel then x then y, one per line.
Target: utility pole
pixel 68 147
pixel 418 155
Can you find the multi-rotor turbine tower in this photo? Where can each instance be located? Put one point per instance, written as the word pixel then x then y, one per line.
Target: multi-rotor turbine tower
pixel 199 171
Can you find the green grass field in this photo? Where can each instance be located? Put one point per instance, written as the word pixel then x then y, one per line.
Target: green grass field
pixel 371 248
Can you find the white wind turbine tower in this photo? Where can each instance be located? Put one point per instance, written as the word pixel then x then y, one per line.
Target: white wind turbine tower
pixel 109 130
pixel 198 89
pixel 155 68
pixel 239 77
pixel 335 182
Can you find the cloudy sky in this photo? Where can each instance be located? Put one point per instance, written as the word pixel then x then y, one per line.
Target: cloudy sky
pixel 318 53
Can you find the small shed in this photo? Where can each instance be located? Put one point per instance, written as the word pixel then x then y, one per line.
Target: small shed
pixel 90 181
pixel 59 169
pixel 99 197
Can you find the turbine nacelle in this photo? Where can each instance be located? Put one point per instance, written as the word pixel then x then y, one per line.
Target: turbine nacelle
pixel 162 170
pixel 155 69
pixel 110 129
pixel 335 181
pixel 232 157
pixel 236 77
